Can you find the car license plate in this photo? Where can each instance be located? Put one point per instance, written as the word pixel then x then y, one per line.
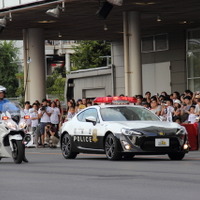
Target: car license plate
pixel 162 142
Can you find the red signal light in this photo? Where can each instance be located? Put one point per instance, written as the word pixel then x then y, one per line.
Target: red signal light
pixel 103 100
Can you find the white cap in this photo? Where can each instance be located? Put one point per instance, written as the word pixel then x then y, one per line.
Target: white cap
pixel 177 101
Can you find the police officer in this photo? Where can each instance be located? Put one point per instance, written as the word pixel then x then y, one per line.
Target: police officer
pixel 2 96
pixel 2 102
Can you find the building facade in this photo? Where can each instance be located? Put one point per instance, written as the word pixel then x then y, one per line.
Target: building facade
pixel 165 67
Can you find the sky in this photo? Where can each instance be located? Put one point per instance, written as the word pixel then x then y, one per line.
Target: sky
pixel 9 3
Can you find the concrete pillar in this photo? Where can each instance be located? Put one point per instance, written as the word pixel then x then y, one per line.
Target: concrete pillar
pixel 34 64
pixel 132 54
pixel 117 60
pixel 67 62
pixel 68 69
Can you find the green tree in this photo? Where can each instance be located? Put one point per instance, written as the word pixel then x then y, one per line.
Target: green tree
pixel 88 54
pixel 56 85
pixel 8 68
pixel 20 90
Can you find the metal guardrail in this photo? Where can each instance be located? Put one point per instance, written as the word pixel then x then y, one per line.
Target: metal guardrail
pixel 10 3
pixel 7 6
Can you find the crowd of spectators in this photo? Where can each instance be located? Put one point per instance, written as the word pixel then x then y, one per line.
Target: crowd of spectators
pixel 44 121
pixel 175 107
pixel 47 117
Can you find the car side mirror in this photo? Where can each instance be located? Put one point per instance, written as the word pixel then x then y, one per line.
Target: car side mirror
pixel 91 119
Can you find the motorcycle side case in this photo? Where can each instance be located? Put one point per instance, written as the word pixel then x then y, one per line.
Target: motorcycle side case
pixel 29 140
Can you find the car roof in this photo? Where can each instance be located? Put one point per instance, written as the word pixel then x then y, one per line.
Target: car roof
pixel 99 106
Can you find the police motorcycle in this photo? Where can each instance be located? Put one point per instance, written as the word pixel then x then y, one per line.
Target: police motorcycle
pixel 12 126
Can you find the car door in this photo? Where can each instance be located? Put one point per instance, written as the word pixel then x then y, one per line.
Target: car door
pixel 86 134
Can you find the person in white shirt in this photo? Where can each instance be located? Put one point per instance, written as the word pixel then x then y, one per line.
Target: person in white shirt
pixel 55 116
pixel 44 114
pixel 192 118
pixel 155 107
pixel 70 114
pixel 34 121
pixel 167 110
pixel 27 108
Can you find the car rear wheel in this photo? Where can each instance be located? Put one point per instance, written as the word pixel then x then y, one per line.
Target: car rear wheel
pixel 111 148
pixel 66 147
pixel 176 156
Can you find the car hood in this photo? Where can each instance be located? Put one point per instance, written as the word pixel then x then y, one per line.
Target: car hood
pixel 143 125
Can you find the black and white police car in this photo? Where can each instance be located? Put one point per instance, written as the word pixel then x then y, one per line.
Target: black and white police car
pixel 121 130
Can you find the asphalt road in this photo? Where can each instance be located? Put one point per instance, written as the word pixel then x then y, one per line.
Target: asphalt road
pixel 49 176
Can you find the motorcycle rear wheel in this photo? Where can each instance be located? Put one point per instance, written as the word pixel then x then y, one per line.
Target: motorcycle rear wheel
pixel 18 152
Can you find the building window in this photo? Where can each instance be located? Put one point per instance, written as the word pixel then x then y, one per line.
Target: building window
pixel 147 44
pixel 193 59
pixel 154 43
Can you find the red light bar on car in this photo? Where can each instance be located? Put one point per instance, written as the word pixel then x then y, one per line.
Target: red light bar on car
pixel 103 100
pixel 115 99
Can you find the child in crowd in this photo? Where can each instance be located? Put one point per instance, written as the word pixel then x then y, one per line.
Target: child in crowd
pixel 27 109
pixel 71 113
pixel 177 115
pixel 167 110
pixel 192 118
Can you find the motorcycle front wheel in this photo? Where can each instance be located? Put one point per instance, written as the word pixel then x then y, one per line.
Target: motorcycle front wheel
pixel 18 152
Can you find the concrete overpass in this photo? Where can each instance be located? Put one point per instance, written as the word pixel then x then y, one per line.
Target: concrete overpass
pixel 78 21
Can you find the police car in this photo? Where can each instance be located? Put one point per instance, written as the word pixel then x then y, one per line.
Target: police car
pixel 120 131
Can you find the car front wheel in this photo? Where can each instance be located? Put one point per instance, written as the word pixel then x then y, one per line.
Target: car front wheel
pixel 66 147
pixel 176 156
pixel 111 148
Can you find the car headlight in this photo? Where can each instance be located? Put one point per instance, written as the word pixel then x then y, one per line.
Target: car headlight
pixel 181 133
pixel 126 145
pixel 129 132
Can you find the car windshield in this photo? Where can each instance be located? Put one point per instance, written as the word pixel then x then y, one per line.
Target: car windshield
pixel 127 113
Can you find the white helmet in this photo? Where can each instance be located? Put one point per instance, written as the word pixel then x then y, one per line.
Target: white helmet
pixel 2 89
